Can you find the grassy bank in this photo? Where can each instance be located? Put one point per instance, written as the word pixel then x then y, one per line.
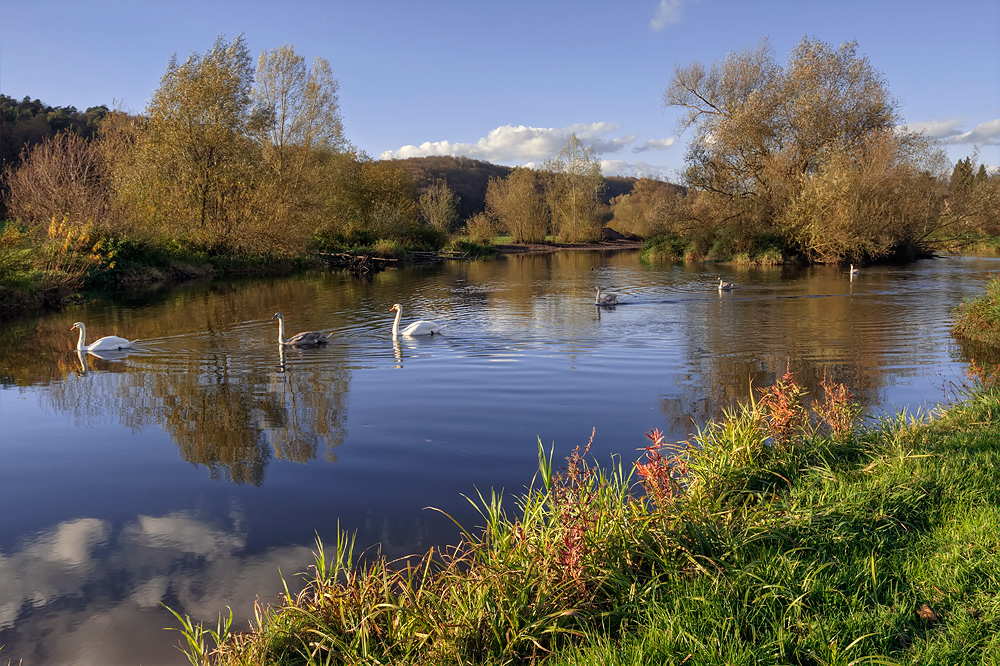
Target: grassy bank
pixel 783 534
pixel 671 247
pixel 44 268
pixel 978 319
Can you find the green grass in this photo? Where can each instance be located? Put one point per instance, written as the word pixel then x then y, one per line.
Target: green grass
pixel 781 534
pixel 978 319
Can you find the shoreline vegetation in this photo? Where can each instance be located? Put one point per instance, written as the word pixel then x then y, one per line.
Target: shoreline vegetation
pixel 788 532
pixel 977 320
pixel 32 282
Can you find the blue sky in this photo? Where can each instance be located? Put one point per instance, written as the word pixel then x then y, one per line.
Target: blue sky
pixel 509 81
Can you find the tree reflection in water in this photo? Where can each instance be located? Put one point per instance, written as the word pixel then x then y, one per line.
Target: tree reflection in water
pixel 227 415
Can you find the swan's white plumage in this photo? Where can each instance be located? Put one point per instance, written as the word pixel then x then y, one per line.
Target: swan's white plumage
pixel 725 286
pixel 106 343
pixel 422 327
pixel 299 339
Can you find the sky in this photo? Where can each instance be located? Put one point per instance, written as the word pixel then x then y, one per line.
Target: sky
pixel 510 81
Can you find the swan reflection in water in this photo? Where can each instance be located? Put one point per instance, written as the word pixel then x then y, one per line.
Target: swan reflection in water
pixel 105 355
pixel 397 351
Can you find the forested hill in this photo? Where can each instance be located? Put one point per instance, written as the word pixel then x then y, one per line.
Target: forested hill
pixel 25 123
pixel 468 179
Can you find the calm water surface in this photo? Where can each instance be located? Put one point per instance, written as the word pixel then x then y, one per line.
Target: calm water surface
pixel 191 469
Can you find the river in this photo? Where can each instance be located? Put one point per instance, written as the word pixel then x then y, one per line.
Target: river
pixel 193 468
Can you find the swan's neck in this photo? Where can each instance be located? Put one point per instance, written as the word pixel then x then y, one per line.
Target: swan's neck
pixel 395 322
pixel 281 330
pixel 81 343
pixel 597 299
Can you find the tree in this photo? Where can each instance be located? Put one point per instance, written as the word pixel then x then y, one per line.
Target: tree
pixel 299 105
pixel 972 206
pixel 868 203
pixel 652 208
pixel 748 112
pixel 198 143
pixel 518 205
pixel 961 176
pixel 763 133
pixel 437 206
pixel 364 199
pixel 574 192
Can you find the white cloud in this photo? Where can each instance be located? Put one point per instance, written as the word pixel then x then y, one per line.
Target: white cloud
pixel 532 146
pixel 937 129
pixel 656 144
pixel 668 12
pixel 950 131
pixel 509 144
pixel 633 169
pixel 987 134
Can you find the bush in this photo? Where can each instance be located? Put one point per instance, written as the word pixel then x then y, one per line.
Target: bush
pixel 470 248
pixel 389 249
pixel 481 228
pixel 978 319
pixel 667 247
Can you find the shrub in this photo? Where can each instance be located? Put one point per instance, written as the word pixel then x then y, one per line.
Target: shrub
pixel 667 247
pixel 481 228
pixel 389 248
pixel 978 319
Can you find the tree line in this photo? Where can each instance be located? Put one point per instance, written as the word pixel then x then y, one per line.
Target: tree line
pixel 234 158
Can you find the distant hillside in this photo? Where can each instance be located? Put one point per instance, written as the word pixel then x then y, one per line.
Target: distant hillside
pixel 468 179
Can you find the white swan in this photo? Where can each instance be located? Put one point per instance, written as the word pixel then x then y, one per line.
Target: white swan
pixel 853 271
pixel 107 342
pixel 726 286
pixel 422 327
pixel 607 299
pixel 299 339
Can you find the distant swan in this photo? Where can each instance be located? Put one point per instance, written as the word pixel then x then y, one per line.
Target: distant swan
pixel 607 299
pixel 108 342
pixel 853 271
pixel 299 339
pixel 726 286
pixel 422 327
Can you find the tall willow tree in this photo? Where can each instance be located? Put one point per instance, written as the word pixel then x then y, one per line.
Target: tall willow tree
pixel 197 152
pixel 301 128
pixel 518 204
pixel 763 132
pixel 437 206
pixel 300 104
pixel 574 192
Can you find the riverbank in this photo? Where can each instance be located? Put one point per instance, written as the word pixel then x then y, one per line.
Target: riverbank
pixel 785 534
pixel 24 288
pixel 536 248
